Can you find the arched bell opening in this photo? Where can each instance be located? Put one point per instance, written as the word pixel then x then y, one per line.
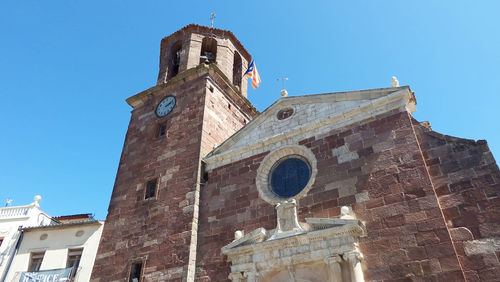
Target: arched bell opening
pixel 208 52
pixel 237 71
pixel 174 59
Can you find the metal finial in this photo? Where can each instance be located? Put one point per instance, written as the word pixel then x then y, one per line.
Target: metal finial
pixel 394 82
pixel 212 18
pixel 283 91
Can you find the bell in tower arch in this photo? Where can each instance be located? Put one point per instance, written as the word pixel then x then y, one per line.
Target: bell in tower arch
pixel 174 59
pixel 208 52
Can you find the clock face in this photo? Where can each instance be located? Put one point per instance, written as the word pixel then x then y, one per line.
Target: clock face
pixel 165 106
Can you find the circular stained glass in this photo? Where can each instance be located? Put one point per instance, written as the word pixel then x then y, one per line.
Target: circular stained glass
pixel 290 176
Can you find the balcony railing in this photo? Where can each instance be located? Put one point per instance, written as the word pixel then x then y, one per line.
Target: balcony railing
pixel 19 211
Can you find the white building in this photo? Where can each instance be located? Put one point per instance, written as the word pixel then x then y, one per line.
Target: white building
pixel 50 248
pixel 11 220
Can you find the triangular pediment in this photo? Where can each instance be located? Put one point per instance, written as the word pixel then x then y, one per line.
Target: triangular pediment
pixel 333 227
pixel 310 112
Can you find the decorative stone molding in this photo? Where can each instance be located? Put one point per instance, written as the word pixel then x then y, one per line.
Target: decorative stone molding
pixel 235 276
pixel 264 170
pixel 287 221
pixel 251 276
pixel 334 268
pixel 325 244
pixel 354 260
pixel 285 113
pixel 346 213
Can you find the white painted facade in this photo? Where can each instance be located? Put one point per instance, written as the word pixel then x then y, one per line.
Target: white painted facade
pixel 56 241
pixel 11 218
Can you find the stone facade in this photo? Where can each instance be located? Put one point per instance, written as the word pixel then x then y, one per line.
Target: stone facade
pixel 419 206
pixel 161 231
pixel 374 165
pixel 467 184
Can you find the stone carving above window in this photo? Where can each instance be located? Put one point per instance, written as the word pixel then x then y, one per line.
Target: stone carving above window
pixel 284 113
pixel 320 249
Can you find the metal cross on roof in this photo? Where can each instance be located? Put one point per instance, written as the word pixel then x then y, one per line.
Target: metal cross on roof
pixel 212 18
pixel 282 81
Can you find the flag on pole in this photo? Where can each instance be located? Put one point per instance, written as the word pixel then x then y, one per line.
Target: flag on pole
pixel 253 74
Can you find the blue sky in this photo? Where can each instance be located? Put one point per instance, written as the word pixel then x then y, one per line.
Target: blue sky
pixel 66 68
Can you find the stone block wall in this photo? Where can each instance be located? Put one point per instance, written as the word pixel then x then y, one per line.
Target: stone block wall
pixel 377 168
pixel 156 230
pixel 222 118
pixel 161 231
pixel 229 202
pixel 467 182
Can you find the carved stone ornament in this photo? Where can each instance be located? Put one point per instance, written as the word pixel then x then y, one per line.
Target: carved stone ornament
pixel 320 249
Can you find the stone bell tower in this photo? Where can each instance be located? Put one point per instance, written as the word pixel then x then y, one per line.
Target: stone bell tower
pixel 199 101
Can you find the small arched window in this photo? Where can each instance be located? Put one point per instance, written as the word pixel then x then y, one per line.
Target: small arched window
pixel 208 52
pixel 174 59
pixel 237 72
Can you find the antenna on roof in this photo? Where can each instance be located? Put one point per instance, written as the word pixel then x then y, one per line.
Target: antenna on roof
pixel 212 18
pixel 7 202
pixel 283 91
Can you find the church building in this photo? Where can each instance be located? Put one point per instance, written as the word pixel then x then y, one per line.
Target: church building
pixel 341 186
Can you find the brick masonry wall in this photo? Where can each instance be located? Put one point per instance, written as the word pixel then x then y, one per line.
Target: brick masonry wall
pixel 467 182
pixel 375 167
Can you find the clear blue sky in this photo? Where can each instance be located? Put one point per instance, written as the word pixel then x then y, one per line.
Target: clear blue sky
pixel 66 68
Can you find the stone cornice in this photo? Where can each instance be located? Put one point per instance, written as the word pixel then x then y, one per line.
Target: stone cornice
pixel 252 252
pixel 334 228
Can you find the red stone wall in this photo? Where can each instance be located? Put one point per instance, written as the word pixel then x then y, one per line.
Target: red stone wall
pixel 407 235
pixel 229 202
pixel 467 183
pixel 222 118
pixel 159 230
pixel 155 229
